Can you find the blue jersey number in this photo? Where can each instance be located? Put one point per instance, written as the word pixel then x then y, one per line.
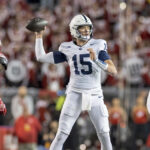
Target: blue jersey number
pixel 82 62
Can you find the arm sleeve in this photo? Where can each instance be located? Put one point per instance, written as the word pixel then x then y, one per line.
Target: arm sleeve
pixel 51 57
pixel 40 52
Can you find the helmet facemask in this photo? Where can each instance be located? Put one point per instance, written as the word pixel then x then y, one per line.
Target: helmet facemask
pixel 84 37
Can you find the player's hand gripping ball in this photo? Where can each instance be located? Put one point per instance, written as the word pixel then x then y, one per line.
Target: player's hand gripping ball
pixel 3 109
pixel 36 24
pixel 3 62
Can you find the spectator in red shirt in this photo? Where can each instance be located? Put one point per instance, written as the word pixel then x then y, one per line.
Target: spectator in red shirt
pixel 26 129
pixel 140 120
pixel 117 118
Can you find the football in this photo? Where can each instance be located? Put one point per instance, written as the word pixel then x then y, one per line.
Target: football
pixel 36 24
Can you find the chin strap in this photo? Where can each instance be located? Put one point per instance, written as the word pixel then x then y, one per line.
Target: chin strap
pixel 101 64
pixel 3 109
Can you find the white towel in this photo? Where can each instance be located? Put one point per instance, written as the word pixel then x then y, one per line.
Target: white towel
pixel 86 101
pixel 86 96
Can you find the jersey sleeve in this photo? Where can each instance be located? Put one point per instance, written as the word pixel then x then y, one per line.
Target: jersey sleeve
pixel 59 57
pixel 51 57
pixel 102 53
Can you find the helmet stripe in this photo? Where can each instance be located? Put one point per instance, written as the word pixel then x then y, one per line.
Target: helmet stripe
pixel 85 18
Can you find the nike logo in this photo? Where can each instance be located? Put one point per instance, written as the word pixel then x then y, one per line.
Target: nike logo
pixel 99 96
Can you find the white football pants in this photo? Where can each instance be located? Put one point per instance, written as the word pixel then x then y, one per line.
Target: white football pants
pixel 71 111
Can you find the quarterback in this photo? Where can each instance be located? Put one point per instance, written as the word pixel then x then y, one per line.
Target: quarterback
pixel 86 57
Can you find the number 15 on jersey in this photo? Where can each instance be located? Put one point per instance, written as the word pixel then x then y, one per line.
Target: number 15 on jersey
pixel 85 63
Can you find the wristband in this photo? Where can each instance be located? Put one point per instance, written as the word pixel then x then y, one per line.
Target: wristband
pixel 101 64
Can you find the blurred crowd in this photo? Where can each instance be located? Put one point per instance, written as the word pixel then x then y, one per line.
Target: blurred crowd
pixel 125 25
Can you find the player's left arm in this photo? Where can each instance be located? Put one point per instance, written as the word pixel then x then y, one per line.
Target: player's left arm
pixel 103 61
pixel 111 67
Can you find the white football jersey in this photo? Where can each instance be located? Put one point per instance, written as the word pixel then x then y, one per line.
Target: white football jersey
pixel 82 72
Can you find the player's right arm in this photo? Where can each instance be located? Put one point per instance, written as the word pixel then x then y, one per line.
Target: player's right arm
pixel 51 57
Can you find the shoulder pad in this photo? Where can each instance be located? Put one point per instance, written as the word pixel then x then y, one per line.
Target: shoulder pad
pixel 102 44
pixel 100 41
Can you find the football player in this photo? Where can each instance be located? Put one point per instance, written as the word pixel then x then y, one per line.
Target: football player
pixel 86 57
pixel 3 67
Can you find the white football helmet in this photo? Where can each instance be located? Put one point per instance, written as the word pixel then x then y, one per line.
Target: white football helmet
pixel 78 21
